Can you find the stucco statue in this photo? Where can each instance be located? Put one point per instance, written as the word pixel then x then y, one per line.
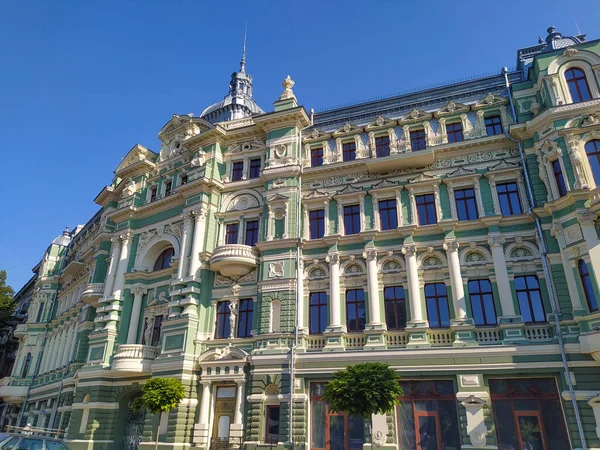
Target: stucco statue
pixel 232 315
pixel 148 331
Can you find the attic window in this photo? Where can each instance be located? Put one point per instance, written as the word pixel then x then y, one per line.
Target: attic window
pixel 153 193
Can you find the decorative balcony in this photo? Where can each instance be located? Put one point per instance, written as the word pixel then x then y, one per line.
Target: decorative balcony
pixel 92 294
pixel 234 260
pixel 418 158
pixel 134 358
pixel 590 343
pixel 12 393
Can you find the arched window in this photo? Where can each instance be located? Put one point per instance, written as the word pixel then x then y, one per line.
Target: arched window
pixel 592 150
pixel 578 85
pixel 164 260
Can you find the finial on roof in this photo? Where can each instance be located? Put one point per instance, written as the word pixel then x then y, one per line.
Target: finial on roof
pixel 540 40
pixel 243 62
pixel 66 232
pixel 288 84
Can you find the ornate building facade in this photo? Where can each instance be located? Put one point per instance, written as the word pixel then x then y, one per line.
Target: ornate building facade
pixel 451 233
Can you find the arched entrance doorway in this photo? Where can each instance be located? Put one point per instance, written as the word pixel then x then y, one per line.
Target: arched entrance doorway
pixel 130 424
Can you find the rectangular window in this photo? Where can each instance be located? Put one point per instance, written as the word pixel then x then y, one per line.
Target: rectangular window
pixel 272 424
pixel 40 313
pixel 436 299
pixel 493 125
pixel 316 220
pixel 254 168
pixel 245 318
pixel 184 179
pixel 417 140
pixel 466 205
pixel 530 299
pixel 318 312
pixel 153 193
pixel 427 416
pixel 316 157
pixel 426 209
pixel 223 325
pixel 388 216
pixel 395 307
pixel 231 233
pixel 251 233
pixel 237 171
pixel 559 177
pixel 356 316
pixel 528 414
pixel 508 197
pixel 349 151
pixel 586 281
pixel 351 219
pixel 454 132
pixel 482 302
pixel 156 330
pixel 26 365
pixel 382 146
pixel 168 186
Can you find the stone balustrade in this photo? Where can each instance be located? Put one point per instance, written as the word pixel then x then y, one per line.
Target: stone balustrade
pixel 234 260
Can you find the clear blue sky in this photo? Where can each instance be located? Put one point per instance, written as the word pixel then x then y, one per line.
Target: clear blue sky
pixel 82 82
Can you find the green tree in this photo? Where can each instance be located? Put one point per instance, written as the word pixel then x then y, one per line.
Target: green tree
pixel 363 390
pixel 7 302
pixel 160 395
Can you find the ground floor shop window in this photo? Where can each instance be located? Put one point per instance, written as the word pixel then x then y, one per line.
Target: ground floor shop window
pixel 334 431
pixel 528 414
pixel 427 416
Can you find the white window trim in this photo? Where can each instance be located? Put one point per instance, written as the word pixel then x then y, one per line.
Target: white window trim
pixel 589 75
pixel 163 188
pixel 576 151
pixel 149 192
pixel 390 133
pixel 346 200
pixel 360 151
pixel 388 193
pixel 427 187
pixel 328 156
pixel 465 182
pixel 546 154
pixel 507 175
pixel 314 205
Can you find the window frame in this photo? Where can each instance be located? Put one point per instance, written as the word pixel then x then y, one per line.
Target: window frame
pixel 225 323
pixel 156 330
pixel 596 152
pixel 162 257
pixel 168 188
pixel 437 298
pixel 317 160
pixel 183 179
pixel 230 232
pixel 508 195
pixel 268 440
pixel 577 85
pixel 355 216
pixel 475 203
pixel 26 365
pixel 320 295
pixel 395 301
pixel 349 151
pixel 528 291
pixel 588 287
pixel 427 204
pixel 245 317
pixel 482 304
pixel 319 223
pixel 456 131
pixel 559 177
pixel 255 232
pixel 355 303
pixel 415 137
pixel 153 193
pixel 493 125
pixel 394 203
pixel 253 169
pixel 382 148
pixel 237 172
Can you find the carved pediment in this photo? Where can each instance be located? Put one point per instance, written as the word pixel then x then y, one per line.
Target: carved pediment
pixel 316 194
pixel 243 202
pixel 490 100
pixel 137 154
pixel 422 177
pixel 503 165
pixel 186 125
pixel 452 108
pixel 381 122
pixel 350 189
pixel 347 129
pixel 228 353
pixel 461 171
pixel 384 183
pixel 415 115
pixel 315 135
pixel 245 147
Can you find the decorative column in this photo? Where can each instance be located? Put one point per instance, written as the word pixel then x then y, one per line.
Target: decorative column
pixel 56 351
pixel 237 427
pixel 46 357
pixel 373 290
pixel 269 223
pixel 326 229
pixel 458 292
pixel 64 356
pixel 414 292
pixel 334 289
pixel 115 251
pixel 198 244
pixel 300 302
pixel 587 220
pixel 186 242
pixel 496 244
pixel 73 345
pixel 578 308
pixel 122 266
pixel 201 429
pixel 138 292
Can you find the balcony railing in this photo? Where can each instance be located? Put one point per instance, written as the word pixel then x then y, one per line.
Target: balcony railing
pixel 488 336
pixel 440 338
pixel 92 293
pixel 396 339
pixel 355 341
pixel 134 358
pixel 315 342
pixel 538 333
pixel 234 260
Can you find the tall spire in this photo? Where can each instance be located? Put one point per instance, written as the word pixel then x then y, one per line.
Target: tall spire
pixel 243 62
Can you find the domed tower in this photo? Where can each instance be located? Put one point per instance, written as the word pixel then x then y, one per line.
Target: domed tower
pixel 239 102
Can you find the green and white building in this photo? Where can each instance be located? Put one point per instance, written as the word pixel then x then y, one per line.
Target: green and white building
pixel 450 233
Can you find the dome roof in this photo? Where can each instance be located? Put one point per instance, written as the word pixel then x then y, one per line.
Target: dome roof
pixel 248 103
pixel 63 239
